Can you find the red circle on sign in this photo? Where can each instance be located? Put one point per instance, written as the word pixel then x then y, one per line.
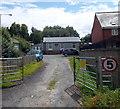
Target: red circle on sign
pixel 109 62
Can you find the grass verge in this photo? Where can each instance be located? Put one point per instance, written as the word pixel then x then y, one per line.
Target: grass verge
pixel 28 70
pixel 51 85
pixel 101 98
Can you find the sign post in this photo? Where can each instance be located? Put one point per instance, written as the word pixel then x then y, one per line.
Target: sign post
pixel 83 63
pixel 109 64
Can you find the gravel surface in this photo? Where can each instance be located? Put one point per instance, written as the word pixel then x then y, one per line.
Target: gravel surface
pixel 33 91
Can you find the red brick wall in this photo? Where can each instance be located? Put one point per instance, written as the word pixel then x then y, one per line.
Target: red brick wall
pixel 51 52
pixel 97 33
pixel 107 33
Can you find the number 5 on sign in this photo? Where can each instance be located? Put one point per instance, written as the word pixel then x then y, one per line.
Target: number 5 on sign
pixel 83 63
pixel 110 64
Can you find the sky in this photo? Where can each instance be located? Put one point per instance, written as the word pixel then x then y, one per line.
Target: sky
pixel 40 13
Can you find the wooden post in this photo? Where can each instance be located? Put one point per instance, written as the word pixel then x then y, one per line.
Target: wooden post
pixel 2 71
pixel 22 62
pixel 74 67
pixel 97 72
pixel 100 71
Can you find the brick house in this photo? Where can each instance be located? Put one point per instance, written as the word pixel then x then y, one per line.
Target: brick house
pixel 106 27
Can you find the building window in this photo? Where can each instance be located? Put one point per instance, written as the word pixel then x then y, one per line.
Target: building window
pixel 50 46
pixel 114 31
pixel 35 48
pixel 38 48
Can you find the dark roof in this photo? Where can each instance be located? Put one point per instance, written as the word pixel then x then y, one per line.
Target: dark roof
pixel 61 39
pixel 109 19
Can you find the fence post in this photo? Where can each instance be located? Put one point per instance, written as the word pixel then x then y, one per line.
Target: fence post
pixel 22 61
pixel 100 71
pixel 97 72
pixel 74 67
pixel 2 71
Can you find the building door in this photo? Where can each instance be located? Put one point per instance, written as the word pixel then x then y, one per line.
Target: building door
pixel 50 46
pixel 73 45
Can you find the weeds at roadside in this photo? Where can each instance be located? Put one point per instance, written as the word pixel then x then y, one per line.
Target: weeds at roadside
pixel 103 98
pixel 52 85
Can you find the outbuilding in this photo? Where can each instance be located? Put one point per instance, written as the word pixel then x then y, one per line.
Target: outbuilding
pixel 52 45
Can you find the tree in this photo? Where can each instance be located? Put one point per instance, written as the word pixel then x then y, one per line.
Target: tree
pixel 15 29
pixel 19 30
pixel 24 32
pixel 57 31
pixel 73 33
pixel 86 39
pixel 7 47
pixel 35 36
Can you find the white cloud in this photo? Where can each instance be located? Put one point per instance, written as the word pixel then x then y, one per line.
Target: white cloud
pixel 31 5
pixel 30 1
pixel 82 21
pixel 100 7
pixel 2 7
pixel 16 1
pixel 8 3
pixel 73 2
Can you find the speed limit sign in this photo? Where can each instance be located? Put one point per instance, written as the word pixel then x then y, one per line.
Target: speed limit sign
pixel 109 64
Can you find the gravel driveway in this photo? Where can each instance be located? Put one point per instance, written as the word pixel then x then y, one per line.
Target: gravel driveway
pixel 33 91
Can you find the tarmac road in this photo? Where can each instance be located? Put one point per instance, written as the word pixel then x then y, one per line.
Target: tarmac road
pixel 33 91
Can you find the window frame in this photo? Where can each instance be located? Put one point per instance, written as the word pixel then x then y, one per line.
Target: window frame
pixel 50 48
pixel 62 45
pixel 114 32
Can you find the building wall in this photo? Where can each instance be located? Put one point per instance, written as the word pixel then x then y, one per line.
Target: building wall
pixel 107 33
pixel 97 33
pixel 38 46
pixel 57 46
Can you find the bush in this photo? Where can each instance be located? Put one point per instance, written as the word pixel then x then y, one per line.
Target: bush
pixel 101 98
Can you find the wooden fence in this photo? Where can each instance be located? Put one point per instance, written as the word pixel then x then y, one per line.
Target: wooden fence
pixel 12 69
pixel 28 59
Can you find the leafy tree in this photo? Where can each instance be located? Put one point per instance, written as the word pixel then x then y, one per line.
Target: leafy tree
pixel 19 30
pixel 57 31
pixel 15 29
pixel 35 36
pixel 7 47
pixel 24 32
pixel 24 44
pixel 73 33
pixel 86 39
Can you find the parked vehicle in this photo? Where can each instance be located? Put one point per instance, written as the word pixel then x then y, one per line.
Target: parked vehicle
pixel 37 53
pixel 61 50
pixel 70 51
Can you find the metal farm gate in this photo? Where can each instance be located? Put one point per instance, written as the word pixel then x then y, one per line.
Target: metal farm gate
pixel 89 73
pixel 11 70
